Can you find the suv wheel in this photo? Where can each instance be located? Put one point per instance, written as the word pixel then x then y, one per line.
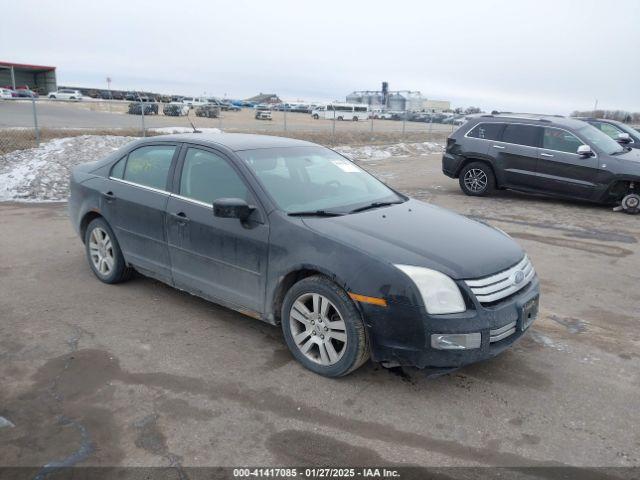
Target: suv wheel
pixel 323 328
pixel 477 179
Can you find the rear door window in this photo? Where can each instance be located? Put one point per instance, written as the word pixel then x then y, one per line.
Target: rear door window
pixel 560 140
pixel 527 135
pixel 149 166
pixel 486 131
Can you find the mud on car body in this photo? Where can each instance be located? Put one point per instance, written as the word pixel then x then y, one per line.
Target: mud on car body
pixel 293 233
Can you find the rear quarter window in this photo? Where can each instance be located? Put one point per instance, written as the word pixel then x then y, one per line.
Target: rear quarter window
pixel 527 135
pixel 486 131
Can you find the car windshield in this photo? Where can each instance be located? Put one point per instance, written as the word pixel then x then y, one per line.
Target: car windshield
pixel 597 137
pixel 310 179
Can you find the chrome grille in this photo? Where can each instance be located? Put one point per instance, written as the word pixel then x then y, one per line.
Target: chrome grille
pixel 502 284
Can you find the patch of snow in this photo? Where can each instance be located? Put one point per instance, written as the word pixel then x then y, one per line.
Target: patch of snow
pixel 183 130
pixel 4 422
pixel 42 173
pixel 381 152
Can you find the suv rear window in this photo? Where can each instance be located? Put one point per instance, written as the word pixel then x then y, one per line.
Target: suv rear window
pixel 486 131
pixel 527 135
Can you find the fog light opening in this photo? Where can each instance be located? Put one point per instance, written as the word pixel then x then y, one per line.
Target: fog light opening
pixel 456 341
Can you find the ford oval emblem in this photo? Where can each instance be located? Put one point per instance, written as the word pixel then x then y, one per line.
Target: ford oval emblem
pixel 518 277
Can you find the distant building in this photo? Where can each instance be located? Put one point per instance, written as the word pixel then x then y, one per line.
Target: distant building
pixel 38 78
pixel 436 105
pixel 396 100
pixel 265 98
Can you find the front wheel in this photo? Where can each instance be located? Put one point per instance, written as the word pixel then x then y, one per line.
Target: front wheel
pixel 316 116
pixel 477 179
pixel 323 328
pixel 104 254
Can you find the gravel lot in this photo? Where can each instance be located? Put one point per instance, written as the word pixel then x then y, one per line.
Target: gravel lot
pixel 141 374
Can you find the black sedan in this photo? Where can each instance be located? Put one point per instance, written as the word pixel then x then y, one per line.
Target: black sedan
pixel 293 233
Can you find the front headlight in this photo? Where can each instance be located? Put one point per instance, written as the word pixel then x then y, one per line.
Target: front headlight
pixel 439 293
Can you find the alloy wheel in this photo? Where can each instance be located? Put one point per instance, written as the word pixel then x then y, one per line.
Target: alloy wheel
pixel 475 180
pixel 318 329
pixel 101 251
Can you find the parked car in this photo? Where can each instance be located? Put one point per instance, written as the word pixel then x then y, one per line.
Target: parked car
pixel 106 95
pixel 209 111
pixel 117 95
pixel 263 112
pixel 620 132
pixel 542 154
pixel 232 107
pixel 6 93
pixel 26 93
pixel 295 234
pixel 66 94
pixel 195 101
pixel 135 108
pixel 175 109
pixel 131 96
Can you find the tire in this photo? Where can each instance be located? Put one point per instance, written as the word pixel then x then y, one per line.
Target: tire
pixel 477 179
pixel 346 323
pixel 355 119
pixel 52 97
pixel 316 116
pixel 340 119
pixel 97 248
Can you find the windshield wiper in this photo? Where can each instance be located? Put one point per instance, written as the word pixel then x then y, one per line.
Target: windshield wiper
pixel 375 205
pixel 315 213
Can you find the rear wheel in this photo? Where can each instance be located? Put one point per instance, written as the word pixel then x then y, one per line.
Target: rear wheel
pixel 355 119
pixel 316 116
pixel 477 179
pixel 104 254
pixel 340 118
pixel 323 328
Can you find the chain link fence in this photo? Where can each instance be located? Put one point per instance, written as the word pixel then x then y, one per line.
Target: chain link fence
pixel 29 122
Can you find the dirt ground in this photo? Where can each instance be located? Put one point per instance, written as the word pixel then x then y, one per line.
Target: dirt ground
pixel 140 374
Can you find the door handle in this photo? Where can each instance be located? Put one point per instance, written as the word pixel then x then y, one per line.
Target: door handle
pixel 499 146
pixel 181 218
pixel 109 197
pixel 548 155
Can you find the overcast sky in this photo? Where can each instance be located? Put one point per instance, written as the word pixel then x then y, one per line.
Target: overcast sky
pixel 536 56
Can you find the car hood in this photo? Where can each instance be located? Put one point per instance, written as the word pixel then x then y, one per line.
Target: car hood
pixel 416 233
pixel 632 155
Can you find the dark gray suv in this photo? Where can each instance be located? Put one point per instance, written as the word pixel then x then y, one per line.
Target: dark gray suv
pixel 543 154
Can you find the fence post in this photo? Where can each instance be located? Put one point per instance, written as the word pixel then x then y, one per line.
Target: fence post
pixel 35 121
pixel 144 130
pixel 220 119
pixel 371 116
pixel 285 118
pixel 404 122
pixel 333 127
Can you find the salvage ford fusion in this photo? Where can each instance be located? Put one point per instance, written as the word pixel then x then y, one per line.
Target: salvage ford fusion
pixel 294 234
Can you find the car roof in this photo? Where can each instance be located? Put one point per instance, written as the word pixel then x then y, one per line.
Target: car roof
pixel 234 141
pixel 594 119
pixel 533 118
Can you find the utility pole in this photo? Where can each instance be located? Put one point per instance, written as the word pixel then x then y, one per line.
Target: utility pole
pixel 595 107
pixel 110 94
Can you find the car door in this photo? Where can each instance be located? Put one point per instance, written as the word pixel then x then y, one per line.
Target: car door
pixel 217 258
pixel 135 202
pixel 561 170
pixel 516 154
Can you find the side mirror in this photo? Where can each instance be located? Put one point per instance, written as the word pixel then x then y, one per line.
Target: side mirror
pixel 585 151
pixel 232 208
pixel 624 138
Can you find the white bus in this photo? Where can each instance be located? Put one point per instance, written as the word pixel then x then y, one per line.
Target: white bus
pixel 341 111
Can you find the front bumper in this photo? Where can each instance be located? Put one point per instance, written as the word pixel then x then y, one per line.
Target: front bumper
pixel 402 334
